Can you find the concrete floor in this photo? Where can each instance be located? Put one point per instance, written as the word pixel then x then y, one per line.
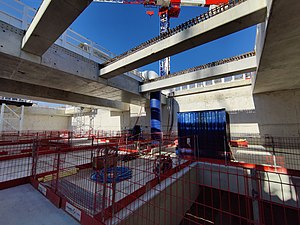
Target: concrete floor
pixel 260 155
pixel 23 205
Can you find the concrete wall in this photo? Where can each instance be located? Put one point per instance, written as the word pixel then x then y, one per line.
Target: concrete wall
pixel 166 203
pixel 107 120
pixel 278 113
pixel 275 113
pixel 38 119
pixel 45 122
pixel 136 116
pixel 44 118
pixel 237 101
pixel 273 186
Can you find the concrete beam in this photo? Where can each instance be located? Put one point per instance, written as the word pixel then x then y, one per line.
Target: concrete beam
pixel 235 19
pixel 213 88
pixel 51 20
pixel 62 69
pixel 229 69
pixel 41 93
pixel 278 42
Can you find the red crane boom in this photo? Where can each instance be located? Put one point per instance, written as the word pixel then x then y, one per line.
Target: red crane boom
pixel 173 6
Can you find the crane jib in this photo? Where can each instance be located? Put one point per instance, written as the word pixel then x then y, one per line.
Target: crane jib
pixel 168 3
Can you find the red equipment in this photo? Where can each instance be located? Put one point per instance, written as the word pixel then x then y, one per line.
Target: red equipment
pixel 173 6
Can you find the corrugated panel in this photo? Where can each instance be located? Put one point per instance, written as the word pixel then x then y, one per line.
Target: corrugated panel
pixel 203 133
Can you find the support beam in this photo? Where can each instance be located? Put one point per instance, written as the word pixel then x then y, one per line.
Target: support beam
pixel 278 48
pixel 62 69
pixel 42 93
pixel 51 20
pixel 229 69
pixel 211 88
pixel 235 19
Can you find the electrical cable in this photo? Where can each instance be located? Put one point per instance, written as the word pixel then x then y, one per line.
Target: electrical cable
pixel 121 174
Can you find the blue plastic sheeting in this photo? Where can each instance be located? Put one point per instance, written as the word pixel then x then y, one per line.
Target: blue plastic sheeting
pixel 203 133
pixel 155 115
pixel 121 173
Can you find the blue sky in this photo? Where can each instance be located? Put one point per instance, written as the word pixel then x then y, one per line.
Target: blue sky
pixel 119 27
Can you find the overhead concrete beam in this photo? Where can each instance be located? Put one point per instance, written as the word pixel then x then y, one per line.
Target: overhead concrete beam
pixel 212 88
pixel 235 19
pixel 229 69
pixel 51 20
pixel 37 92
pixel 278 42
pixel 62 69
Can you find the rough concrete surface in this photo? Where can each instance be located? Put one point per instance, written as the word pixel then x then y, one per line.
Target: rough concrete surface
pixel 23 205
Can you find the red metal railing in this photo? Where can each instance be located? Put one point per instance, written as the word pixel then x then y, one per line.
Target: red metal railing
pixel 108 184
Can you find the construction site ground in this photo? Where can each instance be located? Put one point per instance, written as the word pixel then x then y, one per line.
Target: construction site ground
pixel 24 205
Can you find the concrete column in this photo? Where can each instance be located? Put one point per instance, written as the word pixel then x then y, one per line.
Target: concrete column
pixel 21 120
pixel 2 117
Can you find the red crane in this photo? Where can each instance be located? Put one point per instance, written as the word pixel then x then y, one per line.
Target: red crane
pixel 167 9
pixel 173 6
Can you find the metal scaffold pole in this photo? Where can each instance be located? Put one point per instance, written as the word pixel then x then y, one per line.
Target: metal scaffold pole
pixel 2 117
pixel 21 120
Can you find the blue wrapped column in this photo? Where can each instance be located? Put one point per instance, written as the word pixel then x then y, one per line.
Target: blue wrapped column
pixel 155 116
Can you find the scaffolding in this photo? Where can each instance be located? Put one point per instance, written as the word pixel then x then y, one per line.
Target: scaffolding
pixel 11 119
pixel 83 121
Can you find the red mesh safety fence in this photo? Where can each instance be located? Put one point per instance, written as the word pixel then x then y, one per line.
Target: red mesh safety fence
pixel 158 183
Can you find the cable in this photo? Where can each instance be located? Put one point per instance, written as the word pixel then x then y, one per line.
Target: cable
pixel 121 173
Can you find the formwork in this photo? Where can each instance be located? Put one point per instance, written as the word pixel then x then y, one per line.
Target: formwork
pixel 163 187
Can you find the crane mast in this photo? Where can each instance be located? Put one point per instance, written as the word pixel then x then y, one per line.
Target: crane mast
pixel 167 9
pixel 164 21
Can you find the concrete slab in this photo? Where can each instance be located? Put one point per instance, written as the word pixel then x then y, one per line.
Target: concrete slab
pixel 278 48
pixel 216 87
pixel 51 20
pixel 244 15
pixel 42 93
pixel 60 76
pixel 23 205
pixel 240 66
